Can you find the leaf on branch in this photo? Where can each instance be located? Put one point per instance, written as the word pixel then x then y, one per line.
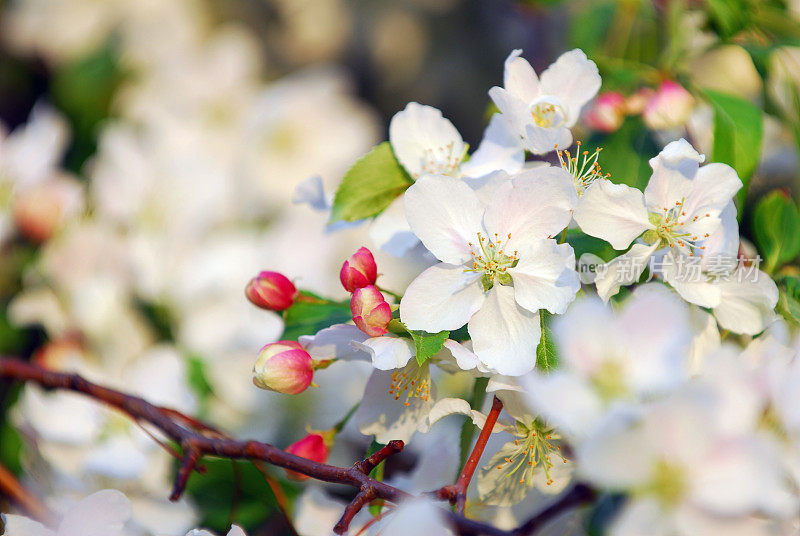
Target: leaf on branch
pixel 738 135
pixel 307 318
pixel 428 344
pixel 370 185
pixel 546 357
pixel 776 224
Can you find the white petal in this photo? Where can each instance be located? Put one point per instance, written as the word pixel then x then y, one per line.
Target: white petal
pixel 545 277
pixel 311 192
pixel 712 189
pixel 673 169
pixel 455 406
pixel 100 514
pixel 541 140
pixel 335 342
pixel 513 109
pixel 425 142
pixel 519 78
pixel 683 274
pixel 380 414
pixel 500 149
pixel 464 357
pixel 536 204
pixel 614 212
pixel 748 302
pixel 388 353
pixel 623 270
pixel 390 232
pixel 417 516
pixel 446 216
pixel 22 526
pixel 565 400
pixel 574 79
pixel 442 297
pixel 504 335
pixel 236 531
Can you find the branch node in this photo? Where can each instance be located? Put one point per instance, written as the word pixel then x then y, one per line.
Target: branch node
pixel 362 498
pixel 188 464
pixel 367 465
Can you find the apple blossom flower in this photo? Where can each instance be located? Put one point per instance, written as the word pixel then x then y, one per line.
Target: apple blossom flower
pixel 542 110
pixel 686 474
pixel 359 270
pixel 607 112
pixel 371 312
pixel 741 298
pixel 609 358
pixel 284 367
pixel 670 107
pixel 314 447
pixel 272 291
pixel 680 209
pixel 103 513
pixel 499 263
pixel 424 142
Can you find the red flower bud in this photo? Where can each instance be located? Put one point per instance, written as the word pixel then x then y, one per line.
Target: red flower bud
pixel 284 367
pixel 371 312
pixel 359 270
pixel 314 447
pixel 271 290
pixel 607 112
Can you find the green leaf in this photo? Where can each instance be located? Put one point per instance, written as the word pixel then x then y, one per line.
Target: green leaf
pixel 370 185
pixel 776 224
pixel 789 300
pixel 728 16
pixel 427 344
pixel 546 357
pixel 738 135
pixel 307 318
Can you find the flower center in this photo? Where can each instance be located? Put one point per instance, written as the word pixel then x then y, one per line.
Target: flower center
pixel 537 443
pixel 489 259
pixel 548 113
pixel 609 380
pixel 413 381
pixel 670 229
pixel 668 483
pixel 583 167
pixel 443 160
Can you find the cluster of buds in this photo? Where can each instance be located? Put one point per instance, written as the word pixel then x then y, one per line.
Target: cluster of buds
pixel 665 108
pixel 371 311
pixel 285 367
pixel 272 291
pixel 315 447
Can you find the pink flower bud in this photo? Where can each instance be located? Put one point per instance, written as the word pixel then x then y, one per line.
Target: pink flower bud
pixel 607 112
pixel 271 290
pixel 359 270
pixel 371 312
pixel 314 447
pixel 284 367
pixel 669 108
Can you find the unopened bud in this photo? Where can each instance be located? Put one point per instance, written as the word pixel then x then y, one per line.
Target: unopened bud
pixel 272 291
pixel 359 270
pixel 669 108
pixel 371 312
pixel 607 112
pixel 284 367
pixel 314 447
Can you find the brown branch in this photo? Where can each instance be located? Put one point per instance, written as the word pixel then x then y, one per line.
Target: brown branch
pixel 457 493
pixel 193 438
pixel 24 499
